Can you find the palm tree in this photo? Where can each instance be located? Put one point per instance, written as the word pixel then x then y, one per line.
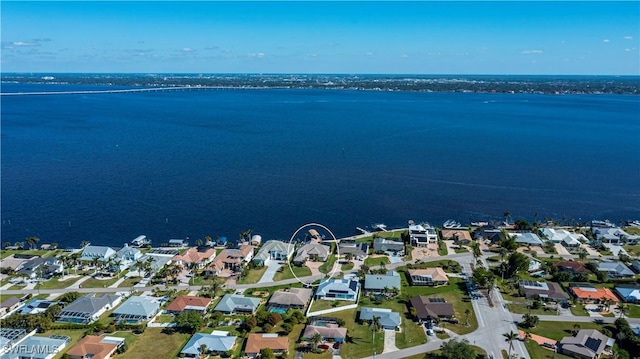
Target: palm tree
pixel 467 312
pixel 582 253
pixel 576 329
pixel 623 308
pixel 510 337
pixel 203 351
pixel 31 241
pixel 506 215
pixel 475 248
pixel 116 263
pixel 199 242
pixel 375 326
pixel 315 339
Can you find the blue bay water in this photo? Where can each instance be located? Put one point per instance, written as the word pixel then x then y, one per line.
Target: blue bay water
pixel 108 167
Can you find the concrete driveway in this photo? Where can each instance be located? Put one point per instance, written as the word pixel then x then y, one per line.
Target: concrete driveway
pixel 562 250
pixel 389 341
pixel 272 268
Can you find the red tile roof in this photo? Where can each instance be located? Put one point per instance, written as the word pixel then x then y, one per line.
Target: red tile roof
pixel 183 301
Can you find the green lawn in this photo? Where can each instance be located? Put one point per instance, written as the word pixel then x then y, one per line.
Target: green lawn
pixel 442 249
pixel 633 250
pixel 55 283
pixel 538 352
pixel 164 318
pixel 293 339
pixel 253 276
pixel 75 335
pixel 328 265
pixel 559 330
pixel 346 267
pixel 35 252
pixel 523 308
pixel 455 293
pixel 374 262
pixel 328 304
pixel 411 333
pixel 130 282
pixel 153 344
pixel 634 311
pixel 287 272
pixel 98 283
pixel 578 310
pixel 359 343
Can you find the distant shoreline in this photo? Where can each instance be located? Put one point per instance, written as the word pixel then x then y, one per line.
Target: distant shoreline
pixel 524 84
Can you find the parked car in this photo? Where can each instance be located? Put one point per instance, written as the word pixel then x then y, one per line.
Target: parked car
pixel 430 332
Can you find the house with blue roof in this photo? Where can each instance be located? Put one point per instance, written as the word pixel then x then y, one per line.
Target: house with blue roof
pixel 234 303
pixel 214 344
pixel 340 289
pixel 615 270
pixel 379 283
pixel 388 319
pixel 136 309
pixel 628 293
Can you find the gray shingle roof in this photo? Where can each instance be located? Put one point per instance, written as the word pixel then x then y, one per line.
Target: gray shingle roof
pixel 89 304
pixel 232 302
pixel 388 318
pixel 137 306
pixel 214 343
pixel 380 281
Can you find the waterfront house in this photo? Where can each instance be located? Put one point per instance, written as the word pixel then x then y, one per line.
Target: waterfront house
pixel 95 347
pixel 292 298
pixel 542 290
pixel 613 235
pixel 357 250
pixel 235 303
pixel 586 293
pixel 87 309
pixel 379 283
pixel 458 236
pixel 231 259
pixel 615 270
pixel 257 341
pixel 586 344
pixel 274 250
pixel 188 302
pixel 388 319
pixel 527 238
pixel 628 293
pixel 566 238
pixel 428 276
pixel 198 256
pixel 127 256
pixel 421 236
pixel 388 246
pixel 41 268
pixel 432 308
pixel 338 289
pixel 136 309
pixel 101 253
pixel 491 235
pixel 313 251
pixel 214 344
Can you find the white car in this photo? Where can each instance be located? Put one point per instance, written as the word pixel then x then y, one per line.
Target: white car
pixel 430 332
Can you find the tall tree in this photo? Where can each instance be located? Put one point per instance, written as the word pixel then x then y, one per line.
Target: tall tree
pixel 510 337
pixel 454 349
pixel 315 339
pixel 467 312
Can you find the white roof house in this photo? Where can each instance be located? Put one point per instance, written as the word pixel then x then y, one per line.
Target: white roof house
pixel 421 236
pixel 529 238
pixel 102 253
pixel 36 347
pixel 274 250
pixel 216 344
pixel 136 309
pixel 563 236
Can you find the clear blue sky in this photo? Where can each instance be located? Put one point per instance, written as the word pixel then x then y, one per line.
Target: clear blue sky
pixel 319 37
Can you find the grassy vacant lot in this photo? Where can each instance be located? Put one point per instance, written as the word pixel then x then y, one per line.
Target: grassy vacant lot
pixel 293 339
pixel 328 304
pixel 359 341
pixel 346 267
pixel 153 344
pixel 559 330
pixel 35 252
pixel 578 310
pixel 538 352
pixel 129 282
pixel 55 283
pixel 253 276
pixel 374 262
pixel 98 283
pixel 411 333
pixel 634 311
pixel 288 274
pixel 455 293
pixel 633 250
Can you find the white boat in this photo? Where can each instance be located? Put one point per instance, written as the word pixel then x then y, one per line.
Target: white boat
pixel 140 241
pixel 451 224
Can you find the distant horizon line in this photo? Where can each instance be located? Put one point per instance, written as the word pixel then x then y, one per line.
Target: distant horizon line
pixel 306 73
